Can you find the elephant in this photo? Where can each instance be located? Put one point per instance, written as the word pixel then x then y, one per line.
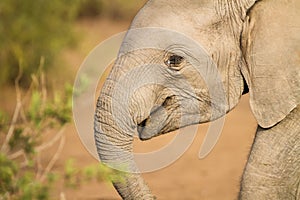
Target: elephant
pixel 162 81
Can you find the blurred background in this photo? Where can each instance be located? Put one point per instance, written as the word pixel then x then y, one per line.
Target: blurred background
pixel 42 45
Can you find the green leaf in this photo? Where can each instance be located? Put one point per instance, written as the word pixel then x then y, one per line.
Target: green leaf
pixel 8 172
pixel 3 120
pixel 34 108
pixel 71 174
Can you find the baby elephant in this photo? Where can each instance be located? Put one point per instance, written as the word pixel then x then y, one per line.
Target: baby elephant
pixel 185 62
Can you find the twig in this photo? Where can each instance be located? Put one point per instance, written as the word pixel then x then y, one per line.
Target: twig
pixel 53 141
pixel 26 162
pixel 45 146
pixel 18 107
pixel 16 155
pixel 43 80
pixel 39 166
pixel 54 159
pixel 23 115
pixel 20 152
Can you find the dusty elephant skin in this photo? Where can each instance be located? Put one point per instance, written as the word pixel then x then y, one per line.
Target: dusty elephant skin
pixel 162 81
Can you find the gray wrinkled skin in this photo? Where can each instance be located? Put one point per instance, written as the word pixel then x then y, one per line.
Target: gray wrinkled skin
pixel 258 40
pixel 273 169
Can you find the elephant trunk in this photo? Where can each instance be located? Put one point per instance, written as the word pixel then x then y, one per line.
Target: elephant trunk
pixel 114 130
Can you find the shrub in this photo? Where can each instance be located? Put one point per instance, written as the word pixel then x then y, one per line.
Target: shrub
pixel 114 9
pixel 30 30
pixel 35 29
pixel 22 175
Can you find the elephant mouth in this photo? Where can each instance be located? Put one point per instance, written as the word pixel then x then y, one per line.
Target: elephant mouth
pixel 152 125
pixel 155 124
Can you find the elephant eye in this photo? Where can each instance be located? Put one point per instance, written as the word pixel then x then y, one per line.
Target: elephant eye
pixel 174 61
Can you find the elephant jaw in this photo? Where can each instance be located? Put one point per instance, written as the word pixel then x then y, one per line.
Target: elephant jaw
pixel 152 125
pixel 171 115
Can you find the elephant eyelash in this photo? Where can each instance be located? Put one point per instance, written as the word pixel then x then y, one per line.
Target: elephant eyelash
pixel 174 61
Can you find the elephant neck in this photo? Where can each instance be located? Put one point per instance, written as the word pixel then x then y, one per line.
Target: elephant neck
pixel 238 8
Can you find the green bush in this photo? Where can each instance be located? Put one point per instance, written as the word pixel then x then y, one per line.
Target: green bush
pixel 114 9
pixel 30 30
pixel 22 175
pixel 90 8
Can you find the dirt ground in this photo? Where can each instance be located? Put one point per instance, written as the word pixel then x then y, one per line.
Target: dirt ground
pixel 217 177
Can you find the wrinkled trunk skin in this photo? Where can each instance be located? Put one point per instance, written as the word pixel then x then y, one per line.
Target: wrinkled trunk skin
pixel 114 143
pixel 273 168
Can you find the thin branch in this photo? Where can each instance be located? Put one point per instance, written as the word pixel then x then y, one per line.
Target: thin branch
pixel 16 155
pixel 43 80
pixel 18 107
pixel 43 85
pixel 26 162
pixel 45 146
pixel 54 159
pixel 19 153
pixel 23 115
pixel 53 141
pixel 39 166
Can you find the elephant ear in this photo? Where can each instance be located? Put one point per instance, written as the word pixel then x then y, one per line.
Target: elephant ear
pixel 271 45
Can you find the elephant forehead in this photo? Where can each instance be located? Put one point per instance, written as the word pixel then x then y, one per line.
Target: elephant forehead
pixel 182 16
pixel 160 39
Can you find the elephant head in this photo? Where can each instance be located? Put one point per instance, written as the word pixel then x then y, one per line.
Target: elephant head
pixel 183 63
